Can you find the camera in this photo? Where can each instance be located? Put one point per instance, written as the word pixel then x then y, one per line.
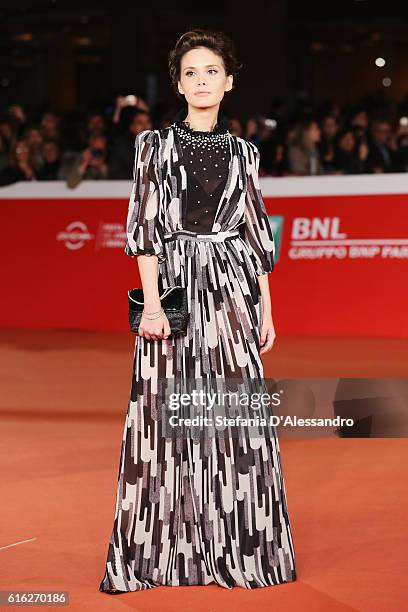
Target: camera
pixel 97 153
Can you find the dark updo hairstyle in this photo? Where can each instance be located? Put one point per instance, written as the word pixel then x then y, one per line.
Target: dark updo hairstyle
pixel 218 42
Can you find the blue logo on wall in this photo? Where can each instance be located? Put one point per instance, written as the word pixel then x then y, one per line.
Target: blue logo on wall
pixel 276 222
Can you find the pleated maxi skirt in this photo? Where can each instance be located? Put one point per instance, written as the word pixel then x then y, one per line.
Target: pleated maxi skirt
pixel 197 510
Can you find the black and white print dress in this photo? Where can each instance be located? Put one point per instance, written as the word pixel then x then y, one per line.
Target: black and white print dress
pixel 212 509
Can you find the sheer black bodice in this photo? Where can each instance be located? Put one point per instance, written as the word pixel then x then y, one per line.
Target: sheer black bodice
pixel 206 158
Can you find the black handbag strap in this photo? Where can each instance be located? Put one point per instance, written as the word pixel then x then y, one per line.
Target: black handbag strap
pixel 165 293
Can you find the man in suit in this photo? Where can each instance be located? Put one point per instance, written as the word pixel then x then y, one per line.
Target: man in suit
pixel 382 157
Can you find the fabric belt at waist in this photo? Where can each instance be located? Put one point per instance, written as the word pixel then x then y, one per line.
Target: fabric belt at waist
pixel 211 236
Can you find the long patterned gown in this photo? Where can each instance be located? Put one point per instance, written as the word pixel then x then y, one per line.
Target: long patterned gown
pixel 191 511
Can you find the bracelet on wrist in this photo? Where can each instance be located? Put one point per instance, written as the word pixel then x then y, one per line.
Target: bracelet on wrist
pixel 151 316
pixel 153 313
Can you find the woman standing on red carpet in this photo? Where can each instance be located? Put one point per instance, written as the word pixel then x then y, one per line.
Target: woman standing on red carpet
pixel 213 509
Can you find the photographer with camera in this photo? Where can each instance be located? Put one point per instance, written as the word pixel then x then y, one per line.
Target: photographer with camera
pixel 91 164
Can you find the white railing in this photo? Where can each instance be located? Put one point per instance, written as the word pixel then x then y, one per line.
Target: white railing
pixel 364 184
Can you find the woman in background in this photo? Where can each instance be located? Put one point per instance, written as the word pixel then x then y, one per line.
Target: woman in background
pixel 303 153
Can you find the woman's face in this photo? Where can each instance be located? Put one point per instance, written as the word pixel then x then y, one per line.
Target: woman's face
pixel 251 127
pixel 33 138
pixel 6 130
pixel 329 127
pixel 347 142
pixel 203 71
pixel 360 120
pixel 235 126
pixel 49 122
pixel 50 152
pixel 313 133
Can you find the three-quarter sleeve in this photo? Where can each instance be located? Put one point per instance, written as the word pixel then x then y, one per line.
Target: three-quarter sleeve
pixel 144 228
pixel 258 234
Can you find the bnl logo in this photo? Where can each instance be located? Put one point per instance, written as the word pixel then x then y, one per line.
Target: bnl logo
pixel 276 222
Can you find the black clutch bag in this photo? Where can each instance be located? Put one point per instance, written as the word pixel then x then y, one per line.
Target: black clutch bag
pixel 174 304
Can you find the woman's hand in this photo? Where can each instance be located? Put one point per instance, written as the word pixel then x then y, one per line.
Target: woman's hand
pixel 154 329
pixel 268 334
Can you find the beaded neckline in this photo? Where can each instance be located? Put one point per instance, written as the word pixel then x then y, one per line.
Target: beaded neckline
pixel 200 139
pixel 219 128
pixel 183 126
pixel 218 137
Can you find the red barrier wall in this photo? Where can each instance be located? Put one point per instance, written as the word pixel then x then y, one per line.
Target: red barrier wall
pixel 341 265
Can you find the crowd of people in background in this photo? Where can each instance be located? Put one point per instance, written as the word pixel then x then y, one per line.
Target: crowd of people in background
pixel 96 145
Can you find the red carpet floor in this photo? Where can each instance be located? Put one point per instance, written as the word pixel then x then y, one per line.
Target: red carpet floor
pixel 63 402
